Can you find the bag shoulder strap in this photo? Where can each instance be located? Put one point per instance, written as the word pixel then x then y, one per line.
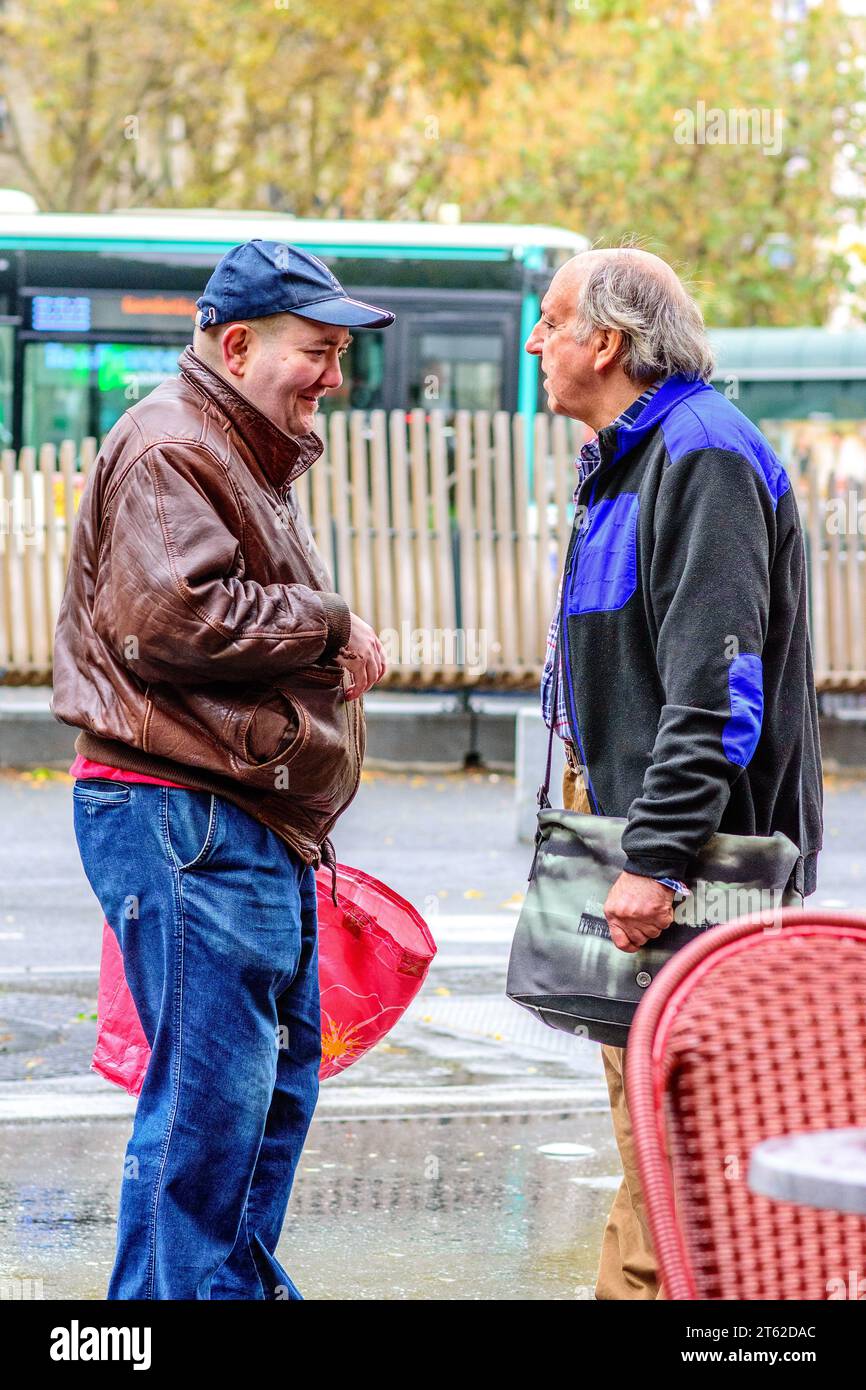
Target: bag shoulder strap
pixel 542 797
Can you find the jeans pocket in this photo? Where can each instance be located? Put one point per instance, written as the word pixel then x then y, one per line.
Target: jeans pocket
pixel 191 823
pixel 101 790
pixel 101 812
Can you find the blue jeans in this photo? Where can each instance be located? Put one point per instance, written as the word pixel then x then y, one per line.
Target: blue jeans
pixel 216 919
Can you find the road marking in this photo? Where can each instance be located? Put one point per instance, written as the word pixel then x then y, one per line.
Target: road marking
pixel 91 1097
pixel 472 928
pixel 17 971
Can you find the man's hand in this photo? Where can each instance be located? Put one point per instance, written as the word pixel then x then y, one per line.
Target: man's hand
pixel 363 656
pixel 637 909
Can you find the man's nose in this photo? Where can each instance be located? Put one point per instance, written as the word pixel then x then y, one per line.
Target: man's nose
pixel 332 376
pixel 533 342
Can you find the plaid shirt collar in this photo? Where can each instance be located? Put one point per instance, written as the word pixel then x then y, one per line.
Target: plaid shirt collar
pixel 589 456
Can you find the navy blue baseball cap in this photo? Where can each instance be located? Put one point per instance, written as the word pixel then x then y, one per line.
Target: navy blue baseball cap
pixel 270 277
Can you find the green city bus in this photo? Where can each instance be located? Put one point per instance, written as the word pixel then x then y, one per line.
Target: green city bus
pixel 94 310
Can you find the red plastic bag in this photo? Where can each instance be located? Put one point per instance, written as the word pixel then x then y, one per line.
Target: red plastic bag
pixel 374 954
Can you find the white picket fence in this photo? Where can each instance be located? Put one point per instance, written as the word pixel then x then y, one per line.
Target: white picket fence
pixel 434 535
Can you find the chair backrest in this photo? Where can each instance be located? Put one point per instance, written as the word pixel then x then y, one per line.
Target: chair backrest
pixel 749 1032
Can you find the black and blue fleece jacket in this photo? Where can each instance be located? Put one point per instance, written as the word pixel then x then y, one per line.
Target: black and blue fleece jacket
pixel 686 652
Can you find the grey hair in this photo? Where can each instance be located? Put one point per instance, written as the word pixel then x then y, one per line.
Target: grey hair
pixel 661 324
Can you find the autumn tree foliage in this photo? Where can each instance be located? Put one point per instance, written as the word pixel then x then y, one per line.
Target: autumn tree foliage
pixel 727 135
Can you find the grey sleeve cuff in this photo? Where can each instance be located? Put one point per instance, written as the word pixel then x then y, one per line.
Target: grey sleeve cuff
pixel 652 866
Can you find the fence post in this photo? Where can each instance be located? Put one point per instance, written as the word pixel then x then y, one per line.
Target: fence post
pixel 546 592
pixel 816 576
pixel 507 643
pixel 10 559
pixel 69 475
pixel 443 567
pixel 425 611
pixel 528 627
pixel 344 577
pixel 404 572
pixel 855 642
pixel 468 549
pixel 382 571
pixel 484 528
pixel 26 465
pixel 47 474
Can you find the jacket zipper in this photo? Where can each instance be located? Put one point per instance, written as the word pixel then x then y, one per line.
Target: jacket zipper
pixel 564 648
pixel 331 859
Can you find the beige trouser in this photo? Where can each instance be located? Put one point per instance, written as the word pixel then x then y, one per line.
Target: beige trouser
pixel 627 1268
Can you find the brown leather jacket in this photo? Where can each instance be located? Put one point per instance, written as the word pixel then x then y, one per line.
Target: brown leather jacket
pixel 198 627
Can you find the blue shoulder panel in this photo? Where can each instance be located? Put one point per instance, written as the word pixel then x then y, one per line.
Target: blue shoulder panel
pixel 746 687
pixel 708 420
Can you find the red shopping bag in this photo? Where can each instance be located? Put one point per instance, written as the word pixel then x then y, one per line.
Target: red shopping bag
pixel 374 953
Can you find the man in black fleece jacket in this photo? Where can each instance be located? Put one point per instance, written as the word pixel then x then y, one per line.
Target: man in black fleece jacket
pixel 687 697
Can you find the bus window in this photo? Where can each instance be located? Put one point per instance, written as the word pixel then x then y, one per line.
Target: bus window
pixel 76 389
pixel 6 378
pixel 456 371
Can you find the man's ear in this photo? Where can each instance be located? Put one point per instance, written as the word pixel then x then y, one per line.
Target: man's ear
pixel 235 348
pixel 609 349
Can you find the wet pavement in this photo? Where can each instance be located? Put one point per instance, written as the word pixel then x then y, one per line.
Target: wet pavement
pixel 486 1206
pixel 470 1156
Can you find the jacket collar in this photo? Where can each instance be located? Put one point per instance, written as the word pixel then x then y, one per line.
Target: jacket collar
pixel 616 440
pixel 282 457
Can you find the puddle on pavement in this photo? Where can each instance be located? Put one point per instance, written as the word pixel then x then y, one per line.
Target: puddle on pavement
pixel 398 1208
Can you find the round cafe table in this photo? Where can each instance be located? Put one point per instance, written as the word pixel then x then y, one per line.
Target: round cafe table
pixel 821 1168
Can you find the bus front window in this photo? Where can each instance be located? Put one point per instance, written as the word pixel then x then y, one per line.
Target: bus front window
pixel 76 389
pixel 456 371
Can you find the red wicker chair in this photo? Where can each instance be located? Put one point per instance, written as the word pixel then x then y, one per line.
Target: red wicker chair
pixel 747 1034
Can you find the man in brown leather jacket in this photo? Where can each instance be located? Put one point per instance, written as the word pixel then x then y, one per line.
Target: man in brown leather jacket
pixel 203 653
